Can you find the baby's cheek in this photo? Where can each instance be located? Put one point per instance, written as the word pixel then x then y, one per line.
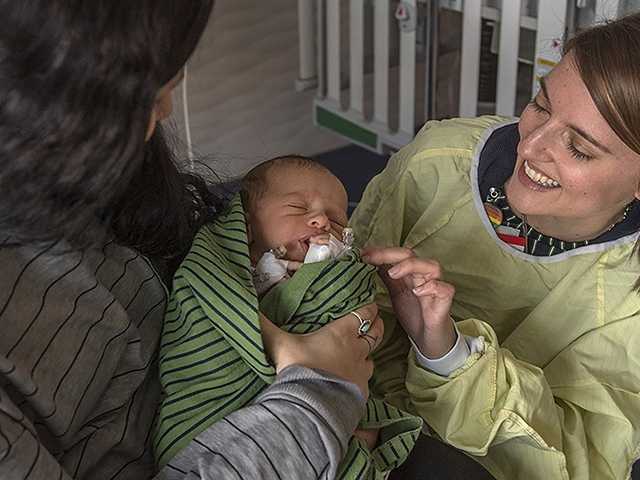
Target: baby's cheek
pixel 294 251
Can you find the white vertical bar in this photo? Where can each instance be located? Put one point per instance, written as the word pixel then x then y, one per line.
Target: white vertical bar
pixel 306 27
pixel 408 76
pixel 381 62
pixel 606 10
pixel 321 46
pixel 552 15
pixel 508 58
pixel 430 60
pixel 357 55
pixel 333 50
pixel 470 61
pixel 187 119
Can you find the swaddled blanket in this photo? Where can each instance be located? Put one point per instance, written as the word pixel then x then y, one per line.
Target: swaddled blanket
pixel 212 359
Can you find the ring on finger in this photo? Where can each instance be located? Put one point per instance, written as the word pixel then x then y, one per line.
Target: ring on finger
pixel 365 325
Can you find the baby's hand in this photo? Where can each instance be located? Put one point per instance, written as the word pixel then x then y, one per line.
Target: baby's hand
pixel 322 239
pixel 369 436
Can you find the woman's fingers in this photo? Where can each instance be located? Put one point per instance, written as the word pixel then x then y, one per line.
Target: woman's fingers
pixel 369 311
pixel 386 256
pixel 414 266
pixel 376 332
pixel 399 263
pixel 421 300
pixel 438 335
pixel 436 289
pixel 367 327
pixel 370 340
pixel 338 347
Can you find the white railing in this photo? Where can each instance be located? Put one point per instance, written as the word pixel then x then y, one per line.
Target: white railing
pixel 470 62
pixel 377 108
pixel 362 112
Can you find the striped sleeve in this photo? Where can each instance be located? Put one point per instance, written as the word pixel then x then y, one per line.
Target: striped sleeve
pixel 22 454
pixel 78 377
pixel 297 428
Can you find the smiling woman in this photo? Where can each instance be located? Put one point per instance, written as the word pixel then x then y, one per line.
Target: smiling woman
pixel 567 178
pixel 534 223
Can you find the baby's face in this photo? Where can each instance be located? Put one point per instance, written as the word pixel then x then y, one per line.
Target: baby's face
pixel 298 203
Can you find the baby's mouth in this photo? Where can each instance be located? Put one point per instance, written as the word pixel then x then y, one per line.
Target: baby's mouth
pixel 306 243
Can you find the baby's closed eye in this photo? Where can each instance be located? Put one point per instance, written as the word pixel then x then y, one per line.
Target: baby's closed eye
pixel 298 207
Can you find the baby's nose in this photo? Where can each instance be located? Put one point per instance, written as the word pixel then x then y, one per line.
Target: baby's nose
pixel 320 221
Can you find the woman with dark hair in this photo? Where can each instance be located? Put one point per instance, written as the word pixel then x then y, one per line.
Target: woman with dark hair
pixel 94 216
pixel 535 224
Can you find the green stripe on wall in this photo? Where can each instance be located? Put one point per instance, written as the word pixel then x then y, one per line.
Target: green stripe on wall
pixel 334 122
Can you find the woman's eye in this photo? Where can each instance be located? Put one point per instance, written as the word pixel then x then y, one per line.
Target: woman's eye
pixel 577 154
pixel 537 107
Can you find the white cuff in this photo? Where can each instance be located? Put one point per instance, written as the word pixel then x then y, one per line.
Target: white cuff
pixel 450 361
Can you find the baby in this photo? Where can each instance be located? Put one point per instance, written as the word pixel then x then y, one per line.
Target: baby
pixel 296 212
pixel 290 216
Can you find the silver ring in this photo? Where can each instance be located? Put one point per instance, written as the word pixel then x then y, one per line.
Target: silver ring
pixel 365 325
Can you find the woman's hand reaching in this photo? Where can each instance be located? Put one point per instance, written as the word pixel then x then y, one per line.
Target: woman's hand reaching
pixel 335 348
pixel 420 299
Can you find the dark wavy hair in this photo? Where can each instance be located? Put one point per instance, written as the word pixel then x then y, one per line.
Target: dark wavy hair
pixel 78 81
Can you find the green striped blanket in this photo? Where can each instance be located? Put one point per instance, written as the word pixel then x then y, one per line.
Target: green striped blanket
pixel 212 359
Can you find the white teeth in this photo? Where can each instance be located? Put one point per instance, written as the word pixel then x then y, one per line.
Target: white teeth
pixel 539 177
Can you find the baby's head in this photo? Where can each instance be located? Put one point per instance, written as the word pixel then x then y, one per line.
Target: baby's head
pixel 288 200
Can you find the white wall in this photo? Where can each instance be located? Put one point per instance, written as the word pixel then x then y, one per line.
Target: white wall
pixel 243 105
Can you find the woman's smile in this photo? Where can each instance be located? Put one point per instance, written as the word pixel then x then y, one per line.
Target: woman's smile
pixel 532 179
pixel 539 177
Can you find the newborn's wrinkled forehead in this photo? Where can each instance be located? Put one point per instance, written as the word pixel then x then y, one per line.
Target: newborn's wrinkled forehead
pixel 292 175
pixel 288 179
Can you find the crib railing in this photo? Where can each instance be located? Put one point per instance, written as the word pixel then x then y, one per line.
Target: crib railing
pixel 363 116
pixel 379 106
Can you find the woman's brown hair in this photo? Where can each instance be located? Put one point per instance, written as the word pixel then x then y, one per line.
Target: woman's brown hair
pixel 608 59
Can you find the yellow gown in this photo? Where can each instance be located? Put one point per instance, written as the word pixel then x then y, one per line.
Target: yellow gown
pixel 556 392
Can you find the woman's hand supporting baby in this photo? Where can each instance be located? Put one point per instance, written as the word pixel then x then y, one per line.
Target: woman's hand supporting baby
pixel 335 348
pixel 420 299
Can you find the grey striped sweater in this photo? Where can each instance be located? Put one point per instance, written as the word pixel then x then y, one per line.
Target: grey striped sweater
pixel 79 386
